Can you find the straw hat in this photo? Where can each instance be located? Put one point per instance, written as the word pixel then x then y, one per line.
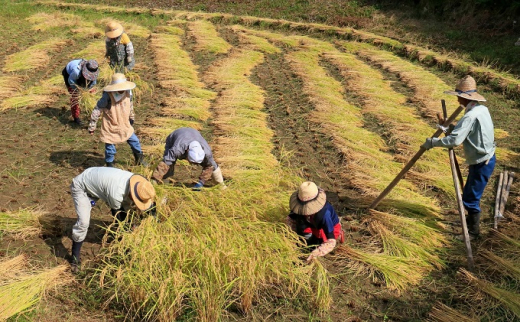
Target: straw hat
pixel 195 153
pixel 90 70
pixel 119 83
pixel 142 192
pixel 467 89
pixel 308 199
pixel 113 29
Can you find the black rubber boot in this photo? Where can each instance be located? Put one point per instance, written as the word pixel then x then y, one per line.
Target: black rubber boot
pixel 78 122
pixel 139 159
pixel 110 164
pixel 76 260
pixel 473 222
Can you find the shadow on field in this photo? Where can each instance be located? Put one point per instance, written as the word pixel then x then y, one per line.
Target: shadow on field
pixel 77 158
pixel 56 228
pixel 61 115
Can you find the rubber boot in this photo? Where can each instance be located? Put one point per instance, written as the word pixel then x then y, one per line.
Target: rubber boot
pixel 139 159
pixel 473 226
pixel 473 222
pixel 76 260
pixel 110 164
pixel 78 122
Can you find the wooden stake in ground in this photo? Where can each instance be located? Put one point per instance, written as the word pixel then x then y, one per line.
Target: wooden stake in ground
pixel 504 194
pixel 414 159
pixel 497 200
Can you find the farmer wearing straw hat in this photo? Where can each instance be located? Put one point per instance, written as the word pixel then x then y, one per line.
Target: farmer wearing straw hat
pixel 118 188
pixel 476 134
pixel 119 48
pixel 79 73
pixel 188 143
pixel 118 119
pixel 313 218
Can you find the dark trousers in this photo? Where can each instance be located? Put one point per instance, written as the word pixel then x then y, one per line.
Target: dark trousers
pixel 477 180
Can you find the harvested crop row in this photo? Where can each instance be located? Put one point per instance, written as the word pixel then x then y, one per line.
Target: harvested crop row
pixel 34 57
pixel 254 42
pixel 502 81
pixel 369 169
pixel 406 130
pixel 23 291
pixel 22 224
pixel 189 101
pixel 509 300
pixel 428 88
pixel 444 313
pixel 41 95
pixel 243 141
pixel 9 85
pixel 207 37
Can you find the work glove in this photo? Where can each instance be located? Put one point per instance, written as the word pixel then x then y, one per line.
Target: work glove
pixel 198 186
pixel 428 144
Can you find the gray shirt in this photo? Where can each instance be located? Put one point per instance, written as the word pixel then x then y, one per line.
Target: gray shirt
pixel 177 145
pixel 112 185
pixel 475 132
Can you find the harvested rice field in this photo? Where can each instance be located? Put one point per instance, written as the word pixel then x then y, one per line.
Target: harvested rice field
pixel 280 103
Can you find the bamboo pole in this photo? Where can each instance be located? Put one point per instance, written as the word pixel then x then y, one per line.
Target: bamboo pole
pixel 497 200
pixel 412 161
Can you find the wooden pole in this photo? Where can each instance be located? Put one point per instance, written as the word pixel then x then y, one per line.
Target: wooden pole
pixel 465 235
pixel 458 182
pixel 505 192
pixel 412 161
pixel 457 167
pixel 497 200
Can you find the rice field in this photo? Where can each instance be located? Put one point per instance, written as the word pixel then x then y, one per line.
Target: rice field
pixel 226 254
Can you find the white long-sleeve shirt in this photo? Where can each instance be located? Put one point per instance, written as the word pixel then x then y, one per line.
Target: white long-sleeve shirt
pixel 112 185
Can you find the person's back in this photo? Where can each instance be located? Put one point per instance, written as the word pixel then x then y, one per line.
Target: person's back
pixel 183 136
pixel 106 183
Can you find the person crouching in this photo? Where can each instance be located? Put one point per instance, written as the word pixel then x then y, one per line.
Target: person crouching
pixel 314 219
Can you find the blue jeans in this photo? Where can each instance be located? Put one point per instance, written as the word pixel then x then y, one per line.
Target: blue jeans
pixel 478 178
pixel 110 149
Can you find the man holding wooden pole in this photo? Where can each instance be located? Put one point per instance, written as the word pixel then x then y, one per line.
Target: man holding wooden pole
pixel 476 134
